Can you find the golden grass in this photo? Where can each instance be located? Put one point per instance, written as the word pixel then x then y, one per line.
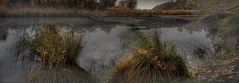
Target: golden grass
pixel 49 46
pixel 136 12
pixel 150 64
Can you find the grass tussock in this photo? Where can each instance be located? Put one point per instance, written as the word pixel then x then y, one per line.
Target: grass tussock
pixel 150 63
pixel 49 46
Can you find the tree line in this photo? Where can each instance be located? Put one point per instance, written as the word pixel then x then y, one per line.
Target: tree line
pixel 88 4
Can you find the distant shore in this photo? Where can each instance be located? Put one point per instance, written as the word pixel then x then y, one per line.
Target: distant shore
pixel 74 12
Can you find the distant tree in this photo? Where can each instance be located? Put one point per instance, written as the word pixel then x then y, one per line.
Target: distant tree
pixel 90 4
pixel 107 3
pixel 131 3
pixel 3 2
pixel 122 3
pixel 77 3
pixel 188 4
pixel 128 3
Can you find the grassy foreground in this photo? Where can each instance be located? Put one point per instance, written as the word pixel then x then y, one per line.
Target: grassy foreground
pixel 152 62
pixel 60 74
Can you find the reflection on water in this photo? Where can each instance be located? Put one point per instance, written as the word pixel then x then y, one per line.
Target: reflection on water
pixel 102 50
pixel 11 71
pixel 3 33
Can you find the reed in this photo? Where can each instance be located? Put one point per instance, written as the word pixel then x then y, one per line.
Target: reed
pixel 152 62
pixel 49 46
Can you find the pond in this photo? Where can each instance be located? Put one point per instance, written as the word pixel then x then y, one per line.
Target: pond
pixel 104 45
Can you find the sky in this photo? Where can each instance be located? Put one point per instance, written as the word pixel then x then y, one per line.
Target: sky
pixel 149 4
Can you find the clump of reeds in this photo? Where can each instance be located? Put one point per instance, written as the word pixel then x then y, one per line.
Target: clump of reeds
pixel 152 62
pixel 50 46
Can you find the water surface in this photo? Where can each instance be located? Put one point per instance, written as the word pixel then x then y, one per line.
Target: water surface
pixel 104 46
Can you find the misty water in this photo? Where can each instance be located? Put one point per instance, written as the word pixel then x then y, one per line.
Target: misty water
pixel 104 44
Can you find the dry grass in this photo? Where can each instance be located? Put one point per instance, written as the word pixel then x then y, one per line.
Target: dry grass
pixel 135 12
pixel 150 63
pixel 51 11
pixel 59 74
pixel 233 21
pixel 49 46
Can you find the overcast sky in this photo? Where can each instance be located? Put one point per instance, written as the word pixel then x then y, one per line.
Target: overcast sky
pixel 149 4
